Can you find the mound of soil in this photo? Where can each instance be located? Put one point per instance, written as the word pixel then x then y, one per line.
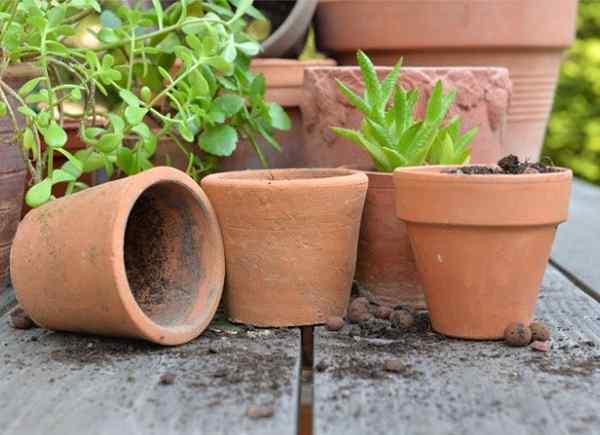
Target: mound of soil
pixel 509 165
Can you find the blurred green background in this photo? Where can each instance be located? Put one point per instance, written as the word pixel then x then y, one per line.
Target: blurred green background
pixel 573 137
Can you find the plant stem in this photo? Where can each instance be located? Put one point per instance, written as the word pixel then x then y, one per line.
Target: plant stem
pixel 156 33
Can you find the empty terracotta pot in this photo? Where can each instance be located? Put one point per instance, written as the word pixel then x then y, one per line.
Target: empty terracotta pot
pixel 290 241
pixel 385 268
pixel 524 36
pixel 138 257
pixel 483 95
pixel 481 243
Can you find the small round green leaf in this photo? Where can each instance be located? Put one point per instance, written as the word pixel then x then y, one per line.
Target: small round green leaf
pixel 54 135
pixel 39 193
pixel 108 143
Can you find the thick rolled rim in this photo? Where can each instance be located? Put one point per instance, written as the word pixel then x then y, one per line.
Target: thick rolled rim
pixel 148 328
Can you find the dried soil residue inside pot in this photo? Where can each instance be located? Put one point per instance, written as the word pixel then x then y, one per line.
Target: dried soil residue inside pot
pixel 509 165
pixel 161 254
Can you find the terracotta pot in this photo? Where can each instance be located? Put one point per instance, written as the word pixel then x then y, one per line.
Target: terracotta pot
pixel 12 171
pixel 481 243
pixel 385 269
pixel 284 86
pixel 290 242
pixel 138 257
pixel 482 99
pixel 518 34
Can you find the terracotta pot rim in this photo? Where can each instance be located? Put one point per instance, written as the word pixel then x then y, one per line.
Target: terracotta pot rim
pixel 189 328
pixel 280 61
pixel 434 174
pixel 287 177
pixel 449 69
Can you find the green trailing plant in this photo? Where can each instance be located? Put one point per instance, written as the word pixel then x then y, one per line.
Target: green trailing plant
pixel 389 132
pixel 180 74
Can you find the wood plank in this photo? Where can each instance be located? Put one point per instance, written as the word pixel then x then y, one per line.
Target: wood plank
pixel 576 249
pixel 60 383
pixel 463 387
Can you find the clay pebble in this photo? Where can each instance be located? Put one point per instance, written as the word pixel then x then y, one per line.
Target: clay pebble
pixel 20 320
pixel 402 319
pixel 334 323
pixel 255 411
pixel 539 331
pixel 167 378
pixel 517 335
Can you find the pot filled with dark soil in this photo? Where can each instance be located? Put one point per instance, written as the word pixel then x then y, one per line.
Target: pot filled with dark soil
pixel 482 236
pixel 138 257
pixel 290 241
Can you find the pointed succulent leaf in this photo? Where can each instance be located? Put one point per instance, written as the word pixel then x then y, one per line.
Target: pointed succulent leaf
pixel 354 99
pixel 372 84
pixel 408 137
pixel 388 84
pixel 395 158
pixel 374 151
pixel 377 132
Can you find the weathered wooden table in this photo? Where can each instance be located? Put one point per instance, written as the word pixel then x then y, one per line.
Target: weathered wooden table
pixel 58 383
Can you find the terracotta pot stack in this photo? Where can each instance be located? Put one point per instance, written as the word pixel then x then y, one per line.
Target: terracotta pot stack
pixel 521 35
pixel 386 271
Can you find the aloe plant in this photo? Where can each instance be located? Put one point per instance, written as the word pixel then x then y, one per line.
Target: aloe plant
pixel 389 132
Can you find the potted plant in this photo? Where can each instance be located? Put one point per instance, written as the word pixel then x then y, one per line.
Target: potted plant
pixel 481 236
pixel 290 240
pixel 518 34
pixel 394 138
pixel 212 101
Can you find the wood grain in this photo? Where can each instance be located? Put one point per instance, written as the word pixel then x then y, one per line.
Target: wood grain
pixel 59 383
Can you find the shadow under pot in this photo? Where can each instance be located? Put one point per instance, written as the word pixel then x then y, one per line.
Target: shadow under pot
pixel 138 257
pixel 290 240
pixel 481 243
pixel 386 272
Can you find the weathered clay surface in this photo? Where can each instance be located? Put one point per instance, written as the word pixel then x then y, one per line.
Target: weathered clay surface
pixel 517 34
pixel 385 268
pixel 138 257
pixel 290 241
pixel 483 95
pixel 481 262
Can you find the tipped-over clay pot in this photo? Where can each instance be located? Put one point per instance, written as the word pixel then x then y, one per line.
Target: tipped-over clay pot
pixel 481 243
pixel 385 270
pixel 138 257
pixel 290 241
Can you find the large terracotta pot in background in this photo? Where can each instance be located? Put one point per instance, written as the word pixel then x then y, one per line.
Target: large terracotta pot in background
pixel 481 243
pixel 385 269
pixel 138 257
pixel 12 171
pixel 290 242
pixel 482 98
pixel 525 36
pixel 284 86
